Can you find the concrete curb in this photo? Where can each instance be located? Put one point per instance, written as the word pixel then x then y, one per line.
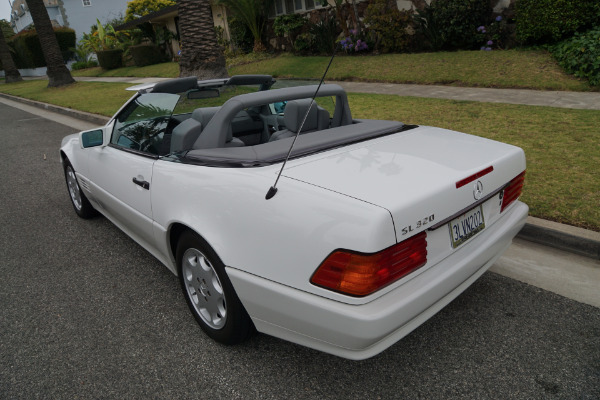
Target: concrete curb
pixel 548 233
pixel 89 117
pixel 564 237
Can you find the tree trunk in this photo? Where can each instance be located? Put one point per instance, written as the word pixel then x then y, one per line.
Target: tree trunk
pixel 201 55
pixel 341 19
pixel 58 74
pixel 354 16
pixel 11 72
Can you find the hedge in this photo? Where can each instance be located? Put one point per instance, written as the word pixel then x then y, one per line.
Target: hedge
pixel 549 21
pixel 146 54
pixel 110 59
pixel 28 50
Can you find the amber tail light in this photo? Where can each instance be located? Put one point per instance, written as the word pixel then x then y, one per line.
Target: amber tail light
pixel 359 274
pixel 513 190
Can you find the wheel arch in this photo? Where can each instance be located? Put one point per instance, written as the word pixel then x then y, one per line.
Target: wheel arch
pixel 175 231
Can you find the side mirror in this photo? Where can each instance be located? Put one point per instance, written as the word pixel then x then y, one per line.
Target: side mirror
pixel 91 138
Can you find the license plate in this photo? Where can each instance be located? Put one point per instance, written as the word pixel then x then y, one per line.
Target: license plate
pixel 466 226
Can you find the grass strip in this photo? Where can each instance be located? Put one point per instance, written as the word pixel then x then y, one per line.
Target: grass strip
pixel 95 97
pixel 528 69
pixel 562 145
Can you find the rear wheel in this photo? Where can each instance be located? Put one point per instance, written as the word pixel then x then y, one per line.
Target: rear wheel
pixel 81 204
pixel 209 292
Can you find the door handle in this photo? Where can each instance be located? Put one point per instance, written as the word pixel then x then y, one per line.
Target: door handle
pixel 143 184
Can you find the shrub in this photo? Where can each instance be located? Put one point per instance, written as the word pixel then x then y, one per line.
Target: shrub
pixel 110 59
pixel 325 33
pixel 304 43
pixel 139 8
pixel 493 35
pixel 290 26
pixel 549 21
pixel 83 65
pixel 79 65
pixel 389 26
pixel 580 55
pixel 240 35
pixel 28 51
pixel 354 43
pixel 451 24
pixel 146 54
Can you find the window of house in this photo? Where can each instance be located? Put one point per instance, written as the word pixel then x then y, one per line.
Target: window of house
pixel 87 3
pixel 294 6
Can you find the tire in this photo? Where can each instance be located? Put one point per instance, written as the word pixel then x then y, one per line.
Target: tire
pixel 209 292
pixel 80 203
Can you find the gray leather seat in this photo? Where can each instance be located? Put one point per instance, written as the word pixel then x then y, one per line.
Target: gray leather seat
pixel 186 133
pixel 317 119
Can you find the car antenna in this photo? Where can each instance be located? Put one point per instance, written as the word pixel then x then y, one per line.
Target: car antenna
pixel 273 189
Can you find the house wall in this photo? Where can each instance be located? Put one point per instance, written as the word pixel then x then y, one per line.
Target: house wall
pixel 81 17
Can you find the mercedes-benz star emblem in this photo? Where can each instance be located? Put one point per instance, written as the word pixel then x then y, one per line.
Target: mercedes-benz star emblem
pixel 478 190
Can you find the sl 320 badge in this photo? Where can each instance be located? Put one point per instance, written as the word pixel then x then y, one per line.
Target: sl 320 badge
pixel 418 224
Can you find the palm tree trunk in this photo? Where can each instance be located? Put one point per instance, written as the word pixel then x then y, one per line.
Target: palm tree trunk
pixel 201 55
pixel 11 72
pixel 58 74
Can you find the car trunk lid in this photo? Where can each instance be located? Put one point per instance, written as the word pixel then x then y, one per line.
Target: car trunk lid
pixel 415 174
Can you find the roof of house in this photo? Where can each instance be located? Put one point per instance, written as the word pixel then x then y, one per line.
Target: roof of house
pixel 165 12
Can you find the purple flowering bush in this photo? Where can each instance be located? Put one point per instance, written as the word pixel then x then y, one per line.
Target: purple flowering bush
pixel 493 36
pixel 354 43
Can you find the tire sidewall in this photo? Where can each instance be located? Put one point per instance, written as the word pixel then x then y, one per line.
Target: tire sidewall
pixel 238 325
pixel 87 210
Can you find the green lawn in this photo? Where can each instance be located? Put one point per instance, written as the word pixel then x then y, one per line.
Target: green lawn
pixel 530 69
pixel 95 97
pixel 562 145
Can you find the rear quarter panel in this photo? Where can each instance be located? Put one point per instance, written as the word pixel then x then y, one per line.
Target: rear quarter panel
pixel 283 239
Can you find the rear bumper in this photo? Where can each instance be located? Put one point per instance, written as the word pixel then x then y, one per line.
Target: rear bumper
pixel 362 331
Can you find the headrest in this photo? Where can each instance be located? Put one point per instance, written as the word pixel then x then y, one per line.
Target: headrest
pixel 294 114
pixel 199 115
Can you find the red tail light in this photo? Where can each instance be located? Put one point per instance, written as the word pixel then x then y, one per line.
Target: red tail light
pixel 513 190
pixel 359 274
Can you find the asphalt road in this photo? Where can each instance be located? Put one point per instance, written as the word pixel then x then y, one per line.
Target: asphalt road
pixel 86 313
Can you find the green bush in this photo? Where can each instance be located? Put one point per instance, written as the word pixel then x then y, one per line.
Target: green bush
pixel 110 59
pixel 290 26
pixel 240 35
pixel 66 41
pixel 452 24
pixel 28 50
pixel 146 54
pixel 389 25
pixel 549 21
pixel 304 43
pixel 580 55
pixel 83 64
pixel 138 8
pixel 325 33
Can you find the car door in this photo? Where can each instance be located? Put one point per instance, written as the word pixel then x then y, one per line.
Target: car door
pixel 121 172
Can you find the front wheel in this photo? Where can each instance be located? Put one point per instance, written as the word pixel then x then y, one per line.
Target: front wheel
pixel 81 204
pixel 209 293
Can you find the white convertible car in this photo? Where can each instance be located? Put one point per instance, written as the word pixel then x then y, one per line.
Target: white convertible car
pixel 376 225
